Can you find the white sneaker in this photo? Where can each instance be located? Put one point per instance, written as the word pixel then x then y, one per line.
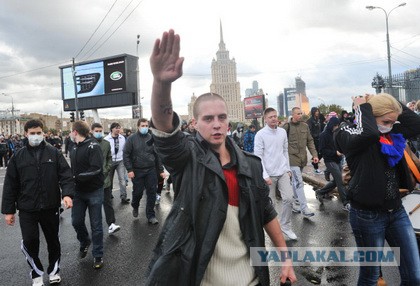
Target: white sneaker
pixel 290 234
pixel 157 199
pixel 113 228
pixel 38 281
pixel 307 213
pixel 55 278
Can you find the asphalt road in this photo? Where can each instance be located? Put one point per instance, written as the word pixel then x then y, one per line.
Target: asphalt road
pixel 127 252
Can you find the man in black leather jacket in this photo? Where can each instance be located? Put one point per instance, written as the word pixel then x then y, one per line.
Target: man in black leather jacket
pixel 32 185
pixel 141 162
pixel 222 207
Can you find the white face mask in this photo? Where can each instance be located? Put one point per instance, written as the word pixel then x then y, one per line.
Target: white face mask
pixel 35 140
pixel 384 129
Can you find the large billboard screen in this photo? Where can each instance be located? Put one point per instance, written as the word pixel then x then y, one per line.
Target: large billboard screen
pixel 254 106
pixel 106 82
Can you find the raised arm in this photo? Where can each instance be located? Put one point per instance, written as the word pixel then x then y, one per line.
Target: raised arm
pixel 166 67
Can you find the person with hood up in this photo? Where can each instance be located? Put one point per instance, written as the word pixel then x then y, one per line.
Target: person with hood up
pixel 332 159
pixel 316 126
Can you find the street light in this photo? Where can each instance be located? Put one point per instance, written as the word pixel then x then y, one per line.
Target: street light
pixel 387 40
pixel 13 113
pixel 138 79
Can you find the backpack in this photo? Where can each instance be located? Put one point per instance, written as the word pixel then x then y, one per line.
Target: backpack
pixel 3 148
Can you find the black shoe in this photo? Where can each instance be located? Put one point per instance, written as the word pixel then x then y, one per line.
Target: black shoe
pixel 320 198
pixel 135 212
pixel 83 251
pixel 98 263
pixel 125 201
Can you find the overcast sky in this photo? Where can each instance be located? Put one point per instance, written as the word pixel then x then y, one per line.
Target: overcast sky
pixel 336 46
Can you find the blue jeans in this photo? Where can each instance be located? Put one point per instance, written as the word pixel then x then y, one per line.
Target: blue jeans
pixel 92 201
pixel 149 181
pixel 372 228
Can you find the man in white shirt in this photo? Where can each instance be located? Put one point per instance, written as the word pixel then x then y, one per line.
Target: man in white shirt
pixel 117 142
pixel 270 144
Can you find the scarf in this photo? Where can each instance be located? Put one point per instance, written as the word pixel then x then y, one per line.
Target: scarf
pixel 392 146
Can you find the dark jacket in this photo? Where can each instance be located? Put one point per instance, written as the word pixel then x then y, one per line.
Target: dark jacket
pixel 360 144
pixel 326 142
pixel 316 124
pixel 33 179
pixel 191 230
pixel 139 153
pixel 86 165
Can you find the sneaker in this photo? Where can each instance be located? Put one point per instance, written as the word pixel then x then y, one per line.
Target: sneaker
pixel 157 199
pixel 38 281
pixel 135 212
pixel 295 209
pixel 55 278
pixel 290 234
pixel 153 220
pixel 307 214
pixel 125 201
pixel 317 171
pixel 83 251
pixel 113 228
pixel 98 263
pixel 346 207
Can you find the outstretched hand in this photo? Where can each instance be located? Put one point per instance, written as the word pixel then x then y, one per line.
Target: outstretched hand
pixel 165 62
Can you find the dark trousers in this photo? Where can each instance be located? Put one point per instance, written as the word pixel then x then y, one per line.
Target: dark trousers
pixel 49 222
pixel 108 208
pixel 336 171
pixel 316 142
pixel 146 180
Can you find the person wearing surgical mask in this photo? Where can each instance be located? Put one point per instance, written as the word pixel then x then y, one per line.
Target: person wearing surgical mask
pixel 38 170
pixel 143 167
pixel 98 133
pixel 374 150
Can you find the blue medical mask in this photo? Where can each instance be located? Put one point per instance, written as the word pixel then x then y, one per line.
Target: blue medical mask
pixel 98 135
pixel 384 129
pixel 144 130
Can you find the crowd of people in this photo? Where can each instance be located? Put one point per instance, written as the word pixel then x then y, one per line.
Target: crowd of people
pixel 226 182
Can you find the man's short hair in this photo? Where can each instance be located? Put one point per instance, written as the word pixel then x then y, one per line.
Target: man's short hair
pixel 114 125
pixel 81 127
pixel 96 125
pixel 141 120
pixel 205 97
pixel 251 126
pixel 33 123
pixel 268 110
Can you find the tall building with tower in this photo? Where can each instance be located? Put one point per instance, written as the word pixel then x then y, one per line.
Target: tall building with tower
pixel 225 83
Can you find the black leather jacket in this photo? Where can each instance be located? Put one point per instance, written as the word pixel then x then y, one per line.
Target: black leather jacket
pixel 139 153
pixel 192 228
pixel 33 184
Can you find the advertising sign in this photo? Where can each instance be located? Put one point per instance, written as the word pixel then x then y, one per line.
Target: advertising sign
pixel 106 82
pixel 254 106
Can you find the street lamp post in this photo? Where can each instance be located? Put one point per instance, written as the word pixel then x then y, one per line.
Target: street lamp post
pixel 13 114
pixel 138 79
pixel 387 41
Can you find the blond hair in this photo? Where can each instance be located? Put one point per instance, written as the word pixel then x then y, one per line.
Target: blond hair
pixel 384 103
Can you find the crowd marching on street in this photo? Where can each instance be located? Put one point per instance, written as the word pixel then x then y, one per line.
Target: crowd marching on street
pixel 227 185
